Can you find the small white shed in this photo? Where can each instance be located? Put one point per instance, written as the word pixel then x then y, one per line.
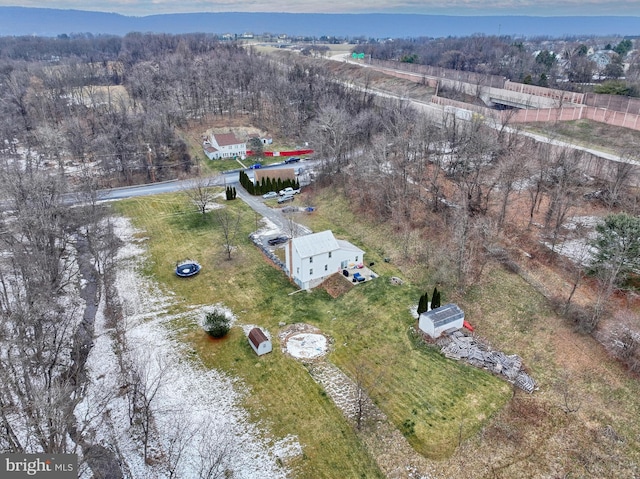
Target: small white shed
pixel 435 321
pixel 259 342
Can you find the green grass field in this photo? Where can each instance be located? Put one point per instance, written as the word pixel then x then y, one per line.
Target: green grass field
pixel 435 402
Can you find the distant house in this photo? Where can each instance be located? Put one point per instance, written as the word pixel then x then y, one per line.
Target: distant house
pixel 224 145
pixel 259 342
pixel 312 258
pixel 437 320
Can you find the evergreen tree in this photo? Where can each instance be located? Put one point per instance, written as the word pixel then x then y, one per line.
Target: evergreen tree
pixel 423 304
pixel 216 324
pixel 435 298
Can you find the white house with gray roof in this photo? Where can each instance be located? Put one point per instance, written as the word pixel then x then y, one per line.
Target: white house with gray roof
pixel 224 145
pixel 312 258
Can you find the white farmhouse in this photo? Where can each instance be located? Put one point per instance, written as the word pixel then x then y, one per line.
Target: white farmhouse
pixel 224 145
pixel 435 321
pixel 312 258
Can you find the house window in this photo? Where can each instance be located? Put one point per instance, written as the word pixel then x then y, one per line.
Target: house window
pixel 298 270
pixel 326 268
pixel 310 259
pixel 356 259
pixel 311 271
pixel 329 254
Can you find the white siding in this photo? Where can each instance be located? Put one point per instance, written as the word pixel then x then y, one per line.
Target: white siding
pixel 313 257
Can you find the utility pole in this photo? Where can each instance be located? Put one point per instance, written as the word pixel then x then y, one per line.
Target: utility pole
pixel 152 173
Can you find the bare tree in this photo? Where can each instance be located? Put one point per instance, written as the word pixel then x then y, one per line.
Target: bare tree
pixel 293 228
pixel 569 402
pixel 148 374
pixel 511 169
pixel 561 184
pixel 331 130
pixel 214 447
pixel 177 440
pixel 624 173
pixel 230 226
pixel 200 191
pixel 576 268
pixel 364 409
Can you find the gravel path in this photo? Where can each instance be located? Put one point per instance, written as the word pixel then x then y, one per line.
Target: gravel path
pixel 391 450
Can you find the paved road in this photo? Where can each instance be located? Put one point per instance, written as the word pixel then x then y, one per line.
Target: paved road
pixel 230 178
pixel 275 215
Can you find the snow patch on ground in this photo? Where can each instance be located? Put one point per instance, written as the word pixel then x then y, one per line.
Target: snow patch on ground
pixel 214 205
pixel 578 249
pixel 197 418
pixel 269 228
pixel 246 328
pixel 588 222
pixel 216 308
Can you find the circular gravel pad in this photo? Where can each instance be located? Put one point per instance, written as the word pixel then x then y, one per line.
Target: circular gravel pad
pixel 307 345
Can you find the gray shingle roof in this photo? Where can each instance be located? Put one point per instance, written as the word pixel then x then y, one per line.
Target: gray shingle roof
pixel 316 243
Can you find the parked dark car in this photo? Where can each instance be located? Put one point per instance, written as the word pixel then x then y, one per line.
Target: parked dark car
pixel 293 159
pixel 278 240
pixel 255 166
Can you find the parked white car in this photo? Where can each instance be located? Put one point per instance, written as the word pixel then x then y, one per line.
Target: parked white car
pixel 289 191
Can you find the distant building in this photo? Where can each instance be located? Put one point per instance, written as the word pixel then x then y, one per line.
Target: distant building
pixel 224 145
pixel 259 342
pixel 435 321
pixel 275 174
pixel 265 140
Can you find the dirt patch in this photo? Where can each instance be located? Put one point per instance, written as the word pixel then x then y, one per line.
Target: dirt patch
pixel 336 286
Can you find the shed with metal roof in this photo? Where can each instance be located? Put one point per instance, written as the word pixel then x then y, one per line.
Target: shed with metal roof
pixel 259 341
pixel 435 321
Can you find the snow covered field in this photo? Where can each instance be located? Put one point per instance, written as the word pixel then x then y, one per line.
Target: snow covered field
pixel 197 428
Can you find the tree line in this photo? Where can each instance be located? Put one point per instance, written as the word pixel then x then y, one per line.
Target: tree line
pixel 564 63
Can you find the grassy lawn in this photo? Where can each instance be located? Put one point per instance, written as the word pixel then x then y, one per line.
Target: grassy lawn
pixel 433 401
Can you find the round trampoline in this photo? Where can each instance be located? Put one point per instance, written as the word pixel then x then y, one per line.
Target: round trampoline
pixel 187 268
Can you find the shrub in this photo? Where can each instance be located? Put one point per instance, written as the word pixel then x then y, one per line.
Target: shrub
pixel 216 324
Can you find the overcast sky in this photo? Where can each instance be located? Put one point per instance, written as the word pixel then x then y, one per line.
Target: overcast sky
pixel 433 7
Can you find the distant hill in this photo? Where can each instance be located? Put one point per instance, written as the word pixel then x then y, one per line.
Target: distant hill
pixel 17 21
